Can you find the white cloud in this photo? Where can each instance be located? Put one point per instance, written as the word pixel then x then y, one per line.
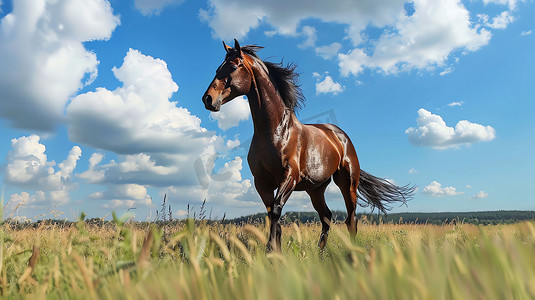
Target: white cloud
pixel 456 103
pixel 116 203
pixel 143 169
pixel 422 40
pixel 413 171
pixel 329 51
pixel 435 189
pixel 149 7
pixel 510 3
pixel 235 18
pixel 446 71
pixel 18 202
pixel 501 21
pixel 432 131
pixel 224 190
pixel 480 195
pixel 26 160
pixel 142 163
pixel 328 85
pixel 137 117
pixel 28 167
pixel 92 175
pixel 232 113
pixel 525 33
pixel 158 144
pixel 310 33
pixel 123 195
pixel 126 182
pixel 353 62
pixel 43 59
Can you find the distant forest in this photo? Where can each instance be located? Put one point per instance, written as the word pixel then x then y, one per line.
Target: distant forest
pixel 479 217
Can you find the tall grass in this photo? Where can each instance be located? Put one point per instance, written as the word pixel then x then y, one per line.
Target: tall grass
pixel 195 260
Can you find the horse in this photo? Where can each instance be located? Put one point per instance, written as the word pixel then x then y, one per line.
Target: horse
pixel 286 155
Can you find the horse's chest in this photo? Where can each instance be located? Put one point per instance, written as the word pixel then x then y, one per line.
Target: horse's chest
pixel 265 160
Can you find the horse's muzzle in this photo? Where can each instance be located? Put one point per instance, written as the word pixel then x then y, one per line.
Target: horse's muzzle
pixel 208 103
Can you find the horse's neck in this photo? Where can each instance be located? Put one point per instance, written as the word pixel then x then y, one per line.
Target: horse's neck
pixel 268 111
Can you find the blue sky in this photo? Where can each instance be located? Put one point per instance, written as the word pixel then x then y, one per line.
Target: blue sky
pixel 100 101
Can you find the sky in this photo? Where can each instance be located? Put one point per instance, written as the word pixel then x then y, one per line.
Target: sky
pixel 101 111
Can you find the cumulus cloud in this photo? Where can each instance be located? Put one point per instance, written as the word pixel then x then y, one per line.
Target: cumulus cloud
pixel 232 113
pixel 414 42
pixel 432 131
pixel 138 116
pixel 435 189
pixel 28 167
pixel 329 51
pixel 328 86
pixel 92 175
pixel 501 21
pixel 480 195
pixel 23 200
pixel 123 195
pixel 310 33
pixel 157 141
pixel 184 183
pixel 43 59
pixel 26 161
pixel 224 190
pixel 235 18
pixel 423 38
pixel 158 144
pixel 149 7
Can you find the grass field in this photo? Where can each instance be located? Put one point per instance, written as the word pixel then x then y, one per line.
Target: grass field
pixel 196 260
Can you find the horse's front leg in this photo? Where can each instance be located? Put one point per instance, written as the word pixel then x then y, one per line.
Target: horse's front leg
pixel 266 193
pixel 283 193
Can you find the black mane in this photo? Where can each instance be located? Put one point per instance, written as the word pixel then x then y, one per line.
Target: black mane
pixel 284 78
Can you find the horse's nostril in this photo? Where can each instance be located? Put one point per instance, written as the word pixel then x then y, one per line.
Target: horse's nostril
pixel 207 99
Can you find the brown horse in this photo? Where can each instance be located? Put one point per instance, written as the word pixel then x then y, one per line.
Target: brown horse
pixel 286 155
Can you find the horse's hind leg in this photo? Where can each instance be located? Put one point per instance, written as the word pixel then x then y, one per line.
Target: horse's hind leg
pixel 317 196
pixel 348 184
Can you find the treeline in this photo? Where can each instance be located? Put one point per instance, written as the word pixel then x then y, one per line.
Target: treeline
pixel 480 217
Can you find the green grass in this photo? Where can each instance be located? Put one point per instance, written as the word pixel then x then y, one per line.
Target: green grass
pixel 200 261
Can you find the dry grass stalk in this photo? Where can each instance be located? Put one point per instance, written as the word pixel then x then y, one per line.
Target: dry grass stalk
pixel 32 262
pixel 242 248
pixel 143 258
pixel 222 246
pixel 85 272
pixel 261 237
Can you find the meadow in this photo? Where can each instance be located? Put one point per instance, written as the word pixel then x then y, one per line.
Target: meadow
pixel 200 260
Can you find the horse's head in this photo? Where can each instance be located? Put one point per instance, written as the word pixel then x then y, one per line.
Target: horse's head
pixel 232 79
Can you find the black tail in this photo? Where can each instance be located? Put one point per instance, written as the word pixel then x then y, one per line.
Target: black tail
pixel 379 193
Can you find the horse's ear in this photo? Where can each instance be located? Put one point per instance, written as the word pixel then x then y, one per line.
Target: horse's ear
pixel 237 47
pixel 227 48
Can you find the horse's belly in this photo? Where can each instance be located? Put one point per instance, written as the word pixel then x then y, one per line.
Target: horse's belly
pixel 306 184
